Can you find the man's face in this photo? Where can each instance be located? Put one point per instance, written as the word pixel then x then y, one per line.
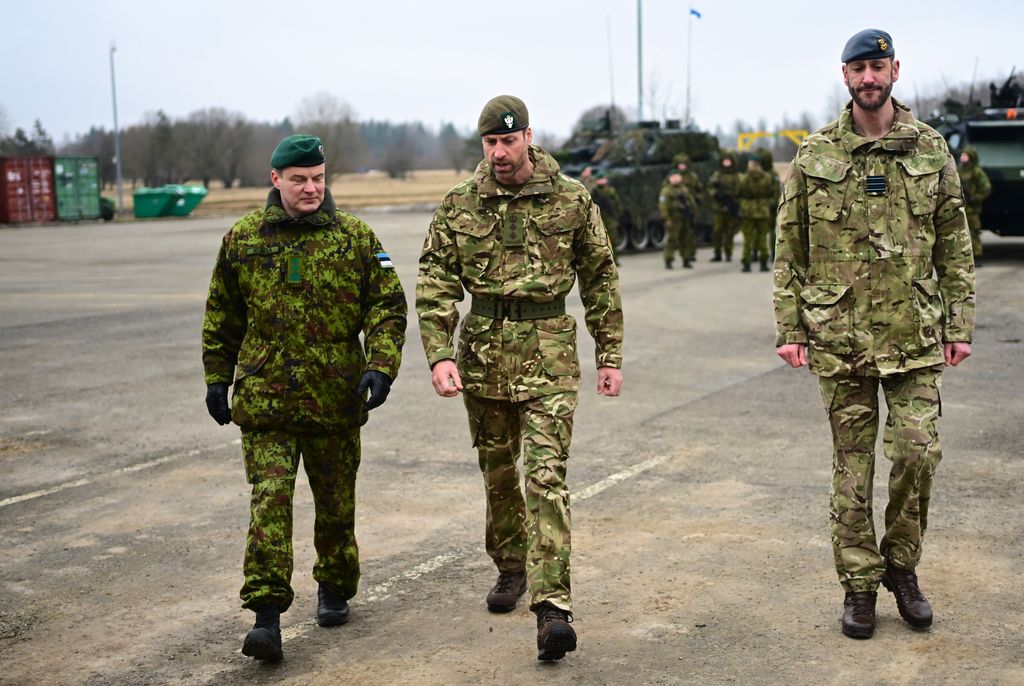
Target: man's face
pixel 870 81
pixel 507 154
pixel 302 188
pixel 726 162
pixel 675 179
pixel 681 166
pixel 965 159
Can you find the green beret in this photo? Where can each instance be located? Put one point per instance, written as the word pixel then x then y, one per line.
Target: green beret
pixel 299 150
pixel 503 114
pixel 869 44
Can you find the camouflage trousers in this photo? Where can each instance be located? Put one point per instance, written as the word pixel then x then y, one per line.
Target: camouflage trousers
pixel 271 463
pixel 724 234
pixel 910 442
pixel 530 533
pixel 755 238
pixel 974 224
pixel 679 236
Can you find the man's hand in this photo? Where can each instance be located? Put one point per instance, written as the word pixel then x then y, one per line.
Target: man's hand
pixel 609 381
pixel 956 353
pixel 795 354
pixel 379 385
pixel 446 379
pixel 217 402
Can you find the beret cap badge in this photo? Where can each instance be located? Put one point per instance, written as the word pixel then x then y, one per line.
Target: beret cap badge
pixel 509 119
pixel 882 45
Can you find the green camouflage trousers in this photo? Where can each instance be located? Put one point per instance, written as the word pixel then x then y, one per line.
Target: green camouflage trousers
pixel 974 224
pixel 910 442
pixel 755 237
pixel 724 233
pixel 531 534
pixel 679 236
pixel 271 463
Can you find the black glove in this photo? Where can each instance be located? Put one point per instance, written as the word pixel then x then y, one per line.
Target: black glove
pixel 379 385
pixel 217 402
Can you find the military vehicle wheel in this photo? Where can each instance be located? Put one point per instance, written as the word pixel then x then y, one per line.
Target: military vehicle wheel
pixel 656 232
pixel 639 238
pixel 621 241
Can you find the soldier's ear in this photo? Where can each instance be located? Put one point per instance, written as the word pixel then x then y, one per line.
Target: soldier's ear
pixel 846 78
pixel 275 179
pixel 895 70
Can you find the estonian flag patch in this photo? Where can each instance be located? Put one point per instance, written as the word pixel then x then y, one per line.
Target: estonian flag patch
pixel 385 260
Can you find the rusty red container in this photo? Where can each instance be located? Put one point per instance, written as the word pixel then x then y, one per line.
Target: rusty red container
pixel 26 190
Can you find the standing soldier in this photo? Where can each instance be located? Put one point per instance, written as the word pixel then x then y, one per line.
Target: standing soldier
pixel 768 164
pixel 688 235
pixel 677 206
pixel 724 184
pixel 758 193
pixel 977 187
pixel 295 285
pixel 874 287
pixel 516 236
pixel 607 200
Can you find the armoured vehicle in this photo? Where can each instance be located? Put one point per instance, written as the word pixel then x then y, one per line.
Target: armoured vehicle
pixel 636 162
pixel 997 133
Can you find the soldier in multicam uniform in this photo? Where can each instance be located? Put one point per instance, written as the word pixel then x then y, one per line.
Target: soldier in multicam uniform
pixel 724 184
pixel 294 286
pixel 516 236
pixel 977 187
pixel 678 210
pixel 758 193
pixel 874 279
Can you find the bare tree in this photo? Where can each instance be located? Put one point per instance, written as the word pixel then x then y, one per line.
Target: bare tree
pixel 334 122
pixel 215 141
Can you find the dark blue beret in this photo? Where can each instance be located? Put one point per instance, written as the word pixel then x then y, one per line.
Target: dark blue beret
pixel 299 150
pixel 869 44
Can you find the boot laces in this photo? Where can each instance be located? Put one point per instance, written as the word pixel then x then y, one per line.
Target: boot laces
pixel 550 613
pixel 906 584
pixel 861 601
pixel 506 582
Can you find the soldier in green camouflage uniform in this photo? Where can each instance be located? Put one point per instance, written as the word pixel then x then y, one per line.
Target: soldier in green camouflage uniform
pixel 758 194
pixel 768 164
pixel 874 286
pixel 977 187
pixel 294 286
pixel 678 211
pixel 516 236
pixel 724 184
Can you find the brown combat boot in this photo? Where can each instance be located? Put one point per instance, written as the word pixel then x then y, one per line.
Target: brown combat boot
pixel 859 614
pixel 913 606
pixel 555 637
pixel 507 589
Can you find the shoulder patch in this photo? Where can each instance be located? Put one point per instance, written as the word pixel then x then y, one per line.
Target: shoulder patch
pixel 385 260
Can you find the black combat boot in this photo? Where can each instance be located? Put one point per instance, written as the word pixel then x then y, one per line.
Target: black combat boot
pixel 746 267
pixel 717 257
pixel 506 591
pixel 668 264
pixel 555 637
pixel 859 614
pixel 687 264
pixel 728 258
pixel 263 641
pixel 764 266
pixel 913 606
pixel 331 608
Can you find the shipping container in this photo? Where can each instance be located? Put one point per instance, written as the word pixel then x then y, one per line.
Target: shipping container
pixel 77 183
pixel 26 190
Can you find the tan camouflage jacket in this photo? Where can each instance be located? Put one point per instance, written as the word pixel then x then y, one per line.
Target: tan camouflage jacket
pixel 530 245
pixel 288 301
pixel 873 260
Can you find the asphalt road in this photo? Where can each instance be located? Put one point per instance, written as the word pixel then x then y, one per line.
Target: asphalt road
pixel 701 553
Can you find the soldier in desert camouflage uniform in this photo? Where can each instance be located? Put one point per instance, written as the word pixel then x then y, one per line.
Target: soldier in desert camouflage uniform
pixel 977 187
pixel 294 286
pixel 874 286
pixel 516 236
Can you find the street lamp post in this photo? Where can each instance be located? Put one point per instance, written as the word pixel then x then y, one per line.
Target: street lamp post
pixel 117 135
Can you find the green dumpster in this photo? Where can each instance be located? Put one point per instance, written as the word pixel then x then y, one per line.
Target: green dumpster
pixel 189 198
pixel 155 202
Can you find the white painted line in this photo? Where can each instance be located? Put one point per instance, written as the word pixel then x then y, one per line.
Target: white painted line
pixel 123 470
pixel 627 473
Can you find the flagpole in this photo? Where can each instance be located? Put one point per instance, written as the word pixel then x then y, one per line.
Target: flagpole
pixel 689 54
pixel 639 66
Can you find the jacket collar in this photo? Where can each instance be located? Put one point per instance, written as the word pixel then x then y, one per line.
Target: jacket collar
pixel 902 138
pixel 274 212
pixel 545 169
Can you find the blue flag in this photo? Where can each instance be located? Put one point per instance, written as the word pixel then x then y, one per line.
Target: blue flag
pixel 695 13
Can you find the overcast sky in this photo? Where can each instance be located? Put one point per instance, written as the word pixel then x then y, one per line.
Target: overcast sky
pixel 436 61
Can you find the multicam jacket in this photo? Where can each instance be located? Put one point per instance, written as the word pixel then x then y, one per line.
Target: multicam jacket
pixel 527 245
pixel 873 262
pixel 288 300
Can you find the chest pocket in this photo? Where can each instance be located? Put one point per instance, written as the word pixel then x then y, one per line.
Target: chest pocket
pixel 827 183
pixel 921 179
pixel 553 244
pixel 475 240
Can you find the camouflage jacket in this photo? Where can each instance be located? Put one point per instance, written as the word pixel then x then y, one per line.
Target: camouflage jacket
pixel 724 188
pixel 758 193
pixel 874 282
pixel 976 185
pixel 677 203
pixel 608 201
pixel 287 303
pixel 529 245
